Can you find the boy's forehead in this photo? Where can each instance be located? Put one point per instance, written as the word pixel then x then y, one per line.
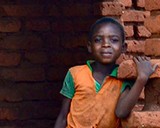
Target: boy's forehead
pixel 107 27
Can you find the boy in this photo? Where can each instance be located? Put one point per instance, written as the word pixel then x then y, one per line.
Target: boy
pixel 95 97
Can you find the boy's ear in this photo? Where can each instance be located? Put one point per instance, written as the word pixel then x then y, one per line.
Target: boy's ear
pixel 124 47
pixel 89 47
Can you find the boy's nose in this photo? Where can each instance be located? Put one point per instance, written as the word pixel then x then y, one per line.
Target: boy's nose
pixel 106 42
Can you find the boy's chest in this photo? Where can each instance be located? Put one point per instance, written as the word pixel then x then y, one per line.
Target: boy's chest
pixel 100 78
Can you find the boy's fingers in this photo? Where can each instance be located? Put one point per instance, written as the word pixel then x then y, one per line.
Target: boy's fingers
pixel 147 58
pixel 155 66
pixel 143 58
pixel 135 60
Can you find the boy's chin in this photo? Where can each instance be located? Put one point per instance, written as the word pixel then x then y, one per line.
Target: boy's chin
pixel 107 62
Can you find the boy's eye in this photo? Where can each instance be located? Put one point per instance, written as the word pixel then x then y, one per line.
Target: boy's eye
pixel 114 40
pixel 98 39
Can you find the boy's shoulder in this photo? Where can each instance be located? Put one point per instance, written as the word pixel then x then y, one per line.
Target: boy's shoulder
pixel 78 68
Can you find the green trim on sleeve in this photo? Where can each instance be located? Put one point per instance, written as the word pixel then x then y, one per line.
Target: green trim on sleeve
pixel 68 89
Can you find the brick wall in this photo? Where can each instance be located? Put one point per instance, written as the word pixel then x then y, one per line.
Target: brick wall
pixel 41 39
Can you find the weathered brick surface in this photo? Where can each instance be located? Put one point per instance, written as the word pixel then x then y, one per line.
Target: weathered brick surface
pixel 143 31
pixel 152 24
pixel 124 57
pixel 12 92
pixel 126 3
pixel 134 46
pixel 41 123
pixel 141 3
pixel 23 10
pixel 36 57
pixel 142 120
pixel 108 8
pixel 26 42
pixel 9 25
pixel 134 15
pixel 76 10
pixel 152 47
pixel 152 97
pixel 33 110
pixel 77 57
pixel 23 74
pixel 74 40
pixel 129 31
pixel 9 59
pixel 152 5
pixel 127 69
pixel 38 25
pixel 54 10
pixel 62 26
pixel 56 74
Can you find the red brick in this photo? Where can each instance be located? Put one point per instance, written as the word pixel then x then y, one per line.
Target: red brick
pixel 124 57
pixel 152 47
pixel 23 10
pixel 108 8
pixel 68 58
pixel 9 59
pixel 129 31
pixel 141 3
pixel 60 57
pixel 146 119
pixel 81 24
pixel 36 57
pixel 62 26
pixel 152 98
pixel 77 10
pixel 135 46
pixel 152 5
pixel 23 74
pixel 74 40
pixel 12 92
pixel 41 2
pixel 142 31
pixel 26 42
pixel 56 74
pixel 9 92
pixel 53 11
pixel 152 24
pixel 33 123
pixel 138 107
pixel 9 25
pixel 134 15
pixel 127 69
pixel 7 114
pixel 52 40
pixel 126 3
pixel 37 25
pixel 28 110
pixel 68 25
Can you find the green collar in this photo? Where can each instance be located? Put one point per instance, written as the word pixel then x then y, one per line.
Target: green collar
pixel 113 73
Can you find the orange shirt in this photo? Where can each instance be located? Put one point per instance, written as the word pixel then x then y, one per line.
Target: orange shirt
pixel 90 109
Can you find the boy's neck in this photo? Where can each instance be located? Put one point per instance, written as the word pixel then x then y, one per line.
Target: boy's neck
pixel 105 69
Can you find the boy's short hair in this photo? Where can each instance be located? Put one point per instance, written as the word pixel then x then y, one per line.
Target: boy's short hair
pixel 106 20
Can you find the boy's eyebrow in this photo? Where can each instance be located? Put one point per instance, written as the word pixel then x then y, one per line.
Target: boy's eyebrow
pixel 104 36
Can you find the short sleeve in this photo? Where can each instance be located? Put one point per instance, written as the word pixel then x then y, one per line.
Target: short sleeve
pixel 127 83
pixel 68 89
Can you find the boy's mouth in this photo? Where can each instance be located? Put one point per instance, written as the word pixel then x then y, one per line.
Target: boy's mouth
pixel 106 53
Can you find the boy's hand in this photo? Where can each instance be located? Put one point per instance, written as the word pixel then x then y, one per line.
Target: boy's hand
pixel 144 67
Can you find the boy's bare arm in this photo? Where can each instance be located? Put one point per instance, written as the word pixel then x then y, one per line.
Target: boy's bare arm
pixel 61 121
pixel 129 98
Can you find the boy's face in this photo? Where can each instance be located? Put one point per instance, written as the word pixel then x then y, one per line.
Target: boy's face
pixel 106 44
